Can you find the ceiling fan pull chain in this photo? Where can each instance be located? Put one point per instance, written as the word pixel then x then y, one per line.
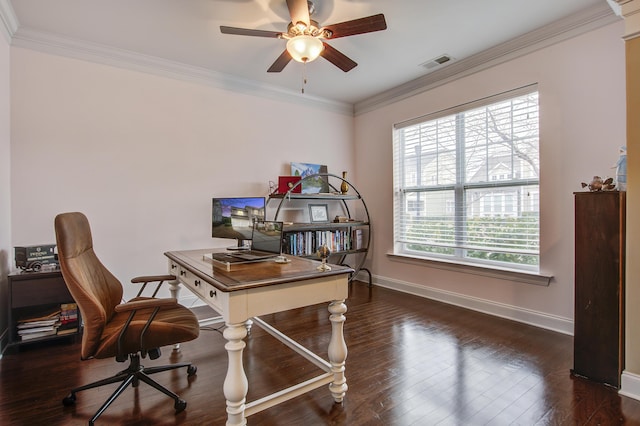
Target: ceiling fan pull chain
pixel 304 75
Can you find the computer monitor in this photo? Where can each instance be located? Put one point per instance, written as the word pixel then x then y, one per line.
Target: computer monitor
pixel 233 217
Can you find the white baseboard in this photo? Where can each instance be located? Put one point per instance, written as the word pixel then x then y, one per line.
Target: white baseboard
pixel 527 316
pixel 630 385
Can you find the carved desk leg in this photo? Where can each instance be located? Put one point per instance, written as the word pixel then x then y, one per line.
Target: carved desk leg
pixel 174 289
pixel 235 383
pixel 337 350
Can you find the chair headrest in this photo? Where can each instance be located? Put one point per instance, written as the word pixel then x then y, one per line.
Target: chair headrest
pixel 73 234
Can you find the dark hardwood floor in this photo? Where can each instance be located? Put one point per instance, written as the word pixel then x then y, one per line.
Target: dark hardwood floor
pixel 411 362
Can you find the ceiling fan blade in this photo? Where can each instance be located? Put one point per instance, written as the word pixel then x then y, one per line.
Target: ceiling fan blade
pixel 337 58
pixel 281 62
pixel 248 32
pixel 299 11
pixel 357 26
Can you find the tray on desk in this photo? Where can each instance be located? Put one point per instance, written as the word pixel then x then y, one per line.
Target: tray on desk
pixel 230 263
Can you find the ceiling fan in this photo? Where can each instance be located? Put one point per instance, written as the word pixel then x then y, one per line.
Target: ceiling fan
pixel 305 37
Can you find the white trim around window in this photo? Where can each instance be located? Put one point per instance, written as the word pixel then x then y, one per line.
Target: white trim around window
pixel 466 184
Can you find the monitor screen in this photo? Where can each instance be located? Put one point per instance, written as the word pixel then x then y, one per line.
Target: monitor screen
pixel 234 217
pixel 267 237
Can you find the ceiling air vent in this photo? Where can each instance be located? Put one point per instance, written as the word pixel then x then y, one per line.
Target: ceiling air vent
pixel 436 62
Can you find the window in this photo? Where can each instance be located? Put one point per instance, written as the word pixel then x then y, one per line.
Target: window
pixel 466 183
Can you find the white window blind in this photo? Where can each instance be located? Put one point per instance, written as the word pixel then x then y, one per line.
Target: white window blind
pixel 466 182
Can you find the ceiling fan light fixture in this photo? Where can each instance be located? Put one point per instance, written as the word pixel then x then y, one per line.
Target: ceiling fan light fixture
pixel 306 38
pixel 304 48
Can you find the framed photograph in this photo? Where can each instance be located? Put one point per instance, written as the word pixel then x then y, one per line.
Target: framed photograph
pixel 319 184
pixel 318 213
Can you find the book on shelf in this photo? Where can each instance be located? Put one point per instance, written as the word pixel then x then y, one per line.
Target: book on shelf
pixel 32 330
pixel 68 319
pixel 68 313
pixel 357 239
pixel 38 335
pixel 35 324
pixel 306 243
pixel 64 331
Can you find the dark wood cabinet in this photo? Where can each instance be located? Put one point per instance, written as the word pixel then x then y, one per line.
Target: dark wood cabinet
pixel 32 294
pixel 599 286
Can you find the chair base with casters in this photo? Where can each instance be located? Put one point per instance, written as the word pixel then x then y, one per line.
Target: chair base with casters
pixel 132 375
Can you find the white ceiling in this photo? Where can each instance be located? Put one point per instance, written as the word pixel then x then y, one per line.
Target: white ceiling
pixel 186 33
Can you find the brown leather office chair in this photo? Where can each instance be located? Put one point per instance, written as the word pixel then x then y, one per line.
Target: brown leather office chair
pixel 130 330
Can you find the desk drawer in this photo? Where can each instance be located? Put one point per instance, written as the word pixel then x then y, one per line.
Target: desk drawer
pixel 205 291
pixel 211 296
pixel 190 281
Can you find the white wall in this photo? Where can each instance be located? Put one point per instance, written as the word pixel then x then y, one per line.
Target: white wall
pixel 582 124
pixel 142 155
pixel 5 189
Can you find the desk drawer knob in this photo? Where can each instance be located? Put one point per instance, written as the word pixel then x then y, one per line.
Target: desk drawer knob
pixel 212 293
pixel 197 282
pixel 174 266
pixel 183 273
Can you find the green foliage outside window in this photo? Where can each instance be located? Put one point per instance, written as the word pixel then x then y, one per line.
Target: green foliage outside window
pixel 438 237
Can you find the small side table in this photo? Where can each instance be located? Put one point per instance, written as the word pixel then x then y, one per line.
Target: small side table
pixel 33 293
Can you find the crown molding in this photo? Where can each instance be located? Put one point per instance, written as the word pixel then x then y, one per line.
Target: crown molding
pixel 556 32
pixel 615 6
pixel 630 11
pixel 8 20
pixel 563 29
pixel 78 49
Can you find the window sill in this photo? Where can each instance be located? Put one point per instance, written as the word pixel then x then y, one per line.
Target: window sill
pixel 468 268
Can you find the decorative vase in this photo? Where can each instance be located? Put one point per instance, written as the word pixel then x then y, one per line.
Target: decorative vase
pixel 344 187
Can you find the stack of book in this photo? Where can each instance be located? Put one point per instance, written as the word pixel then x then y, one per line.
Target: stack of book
pixel 57 321
pixel 68 319
pixel 40 326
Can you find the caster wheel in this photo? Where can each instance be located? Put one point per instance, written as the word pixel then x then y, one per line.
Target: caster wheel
pixel 180 405
pixel 191 370
pixel 69 400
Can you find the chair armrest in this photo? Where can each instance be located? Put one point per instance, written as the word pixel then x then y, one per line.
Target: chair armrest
pixel 146 303
pixel 152 278
pixel 145 279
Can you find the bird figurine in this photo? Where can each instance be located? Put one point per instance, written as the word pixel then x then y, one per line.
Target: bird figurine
pixel 597 184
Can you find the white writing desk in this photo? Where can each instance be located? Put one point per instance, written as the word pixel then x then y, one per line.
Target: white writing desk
pixel 254 289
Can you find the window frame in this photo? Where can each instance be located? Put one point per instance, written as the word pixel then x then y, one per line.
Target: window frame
pixel 461 187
